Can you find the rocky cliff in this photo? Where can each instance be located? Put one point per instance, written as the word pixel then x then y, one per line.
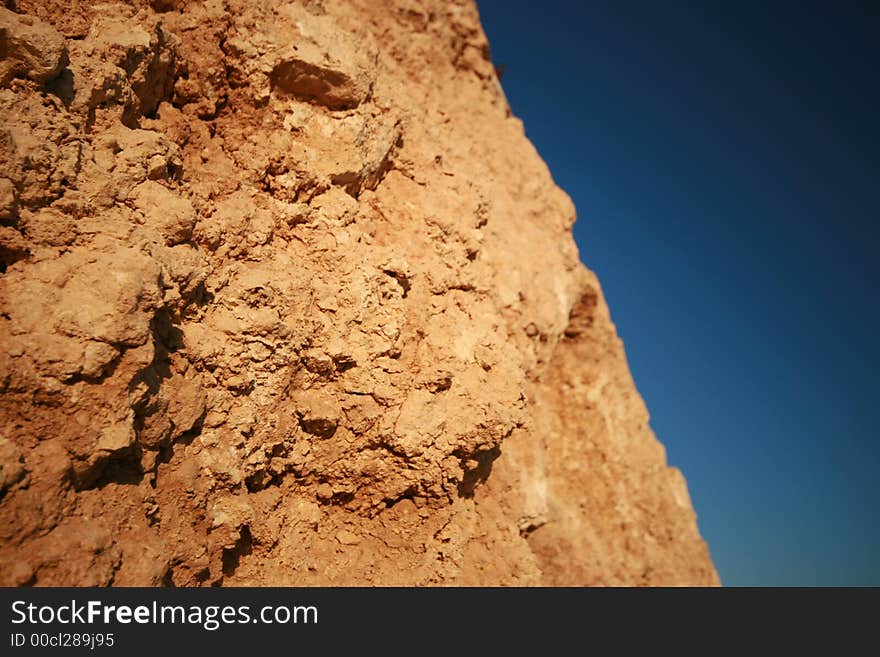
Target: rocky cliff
pixel 288 298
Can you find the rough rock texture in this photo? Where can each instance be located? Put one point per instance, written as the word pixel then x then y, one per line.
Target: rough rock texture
pixel 287 297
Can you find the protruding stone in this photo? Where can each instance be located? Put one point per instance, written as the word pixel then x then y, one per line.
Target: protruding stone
pixel 346 537
pixel 116 438
pixel 318 412
pixel 30 48
pixel 8 202
pixel 11 464
pixel 170 213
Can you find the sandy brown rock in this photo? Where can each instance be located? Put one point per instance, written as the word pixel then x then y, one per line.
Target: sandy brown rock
pixel 30 48
pixel 288 298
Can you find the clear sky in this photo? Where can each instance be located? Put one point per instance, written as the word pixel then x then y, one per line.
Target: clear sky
pixel 724 159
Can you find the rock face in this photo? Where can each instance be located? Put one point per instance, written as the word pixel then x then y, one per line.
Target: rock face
pixel 288 298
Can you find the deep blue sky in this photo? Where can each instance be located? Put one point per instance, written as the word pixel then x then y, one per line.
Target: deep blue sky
pixel 724 159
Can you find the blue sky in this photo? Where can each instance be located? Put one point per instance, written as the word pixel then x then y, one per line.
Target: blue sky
pixel 724 159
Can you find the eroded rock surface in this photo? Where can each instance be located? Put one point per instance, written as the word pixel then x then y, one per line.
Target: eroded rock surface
pixel 288 298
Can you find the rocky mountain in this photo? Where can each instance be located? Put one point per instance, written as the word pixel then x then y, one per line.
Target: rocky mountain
pixel 288 298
